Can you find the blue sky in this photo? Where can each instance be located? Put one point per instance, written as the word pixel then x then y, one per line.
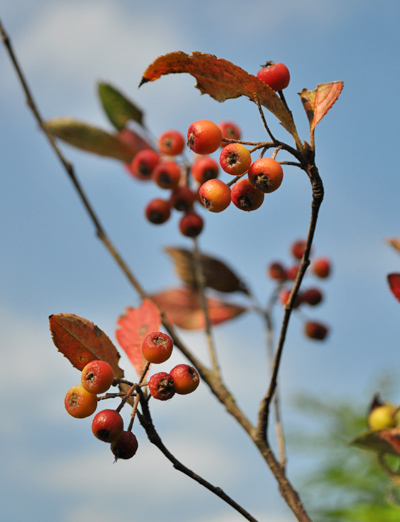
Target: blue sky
pixel 53 263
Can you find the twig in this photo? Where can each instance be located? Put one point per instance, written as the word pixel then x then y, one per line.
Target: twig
pixel 318 194
pixel 147 423
pixel 270 350
pixel 200 282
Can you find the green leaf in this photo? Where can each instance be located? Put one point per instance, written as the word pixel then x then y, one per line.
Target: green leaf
pixel 118 108
pixel 89 138
pixel 373 513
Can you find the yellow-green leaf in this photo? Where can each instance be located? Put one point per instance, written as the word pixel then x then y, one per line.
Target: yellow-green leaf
pixel 89 138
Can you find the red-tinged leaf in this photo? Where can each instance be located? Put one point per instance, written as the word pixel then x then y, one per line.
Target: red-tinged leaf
pixel 394 284
pixel 394 242
pixel 89 138
pixel 216 273
pixel 81 341
pixel 118 108
pixel 134 326
pixel 182 307
pixel 133 140
pixel 222 80
pixel 393 438
pixel 381 442
pixel 318 102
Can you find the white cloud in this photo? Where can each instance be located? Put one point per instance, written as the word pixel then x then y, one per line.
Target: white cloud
pixel 71 40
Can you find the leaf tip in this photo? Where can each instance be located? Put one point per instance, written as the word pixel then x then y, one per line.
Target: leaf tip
pixel 143 81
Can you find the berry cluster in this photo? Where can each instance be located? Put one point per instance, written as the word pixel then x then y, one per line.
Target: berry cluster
pixel 168 173
pixel 182 379
pixel 98 376
pixel 108 426
pixel 312 296
pixel 190 184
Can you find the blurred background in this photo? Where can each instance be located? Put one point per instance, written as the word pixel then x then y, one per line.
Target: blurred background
pixel 52 262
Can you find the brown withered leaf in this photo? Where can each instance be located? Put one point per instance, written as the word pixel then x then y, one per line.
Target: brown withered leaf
pixel 318 102
pixel 81 341
pixel 134 326
pixel 182 307
pixel 222 80
pixel 394 242
pixel 90 139
pixel 217 274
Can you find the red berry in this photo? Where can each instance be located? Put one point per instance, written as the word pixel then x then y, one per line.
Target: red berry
pixel 157 347
pixel 79 402
pixel 245 196
pixel 322 267
pixel 284 298
pixel 186 379
pixel 230 131
pixel 312 296
pixel 158 211
pixel 144 163
pixel 167 174
pixel 291 273
pixel 235 159
pixel 125 446
pixel 316 331
pixel 107 425
pixel 298 248
pixel 204 137
pixel 191 224
pixel 171 143
pixel 215 195
pixel 161 386
pixel 97 376
pixel 205 168
pixel 277 271
pixel 275 75
pixel 266 174
pixel 182 198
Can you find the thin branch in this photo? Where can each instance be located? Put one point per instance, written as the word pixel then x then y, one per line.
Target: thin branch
pixel 199 277
pixel 318 194
pixel 280 437
pixel 147 423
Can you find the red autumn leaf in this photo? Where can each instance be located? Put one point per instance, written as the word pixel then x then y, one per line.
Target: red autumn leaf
pixel 81 341
pixel 182 307
pixel 222 80
pixel 318 102
pixel 134 326
pixel 394 284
